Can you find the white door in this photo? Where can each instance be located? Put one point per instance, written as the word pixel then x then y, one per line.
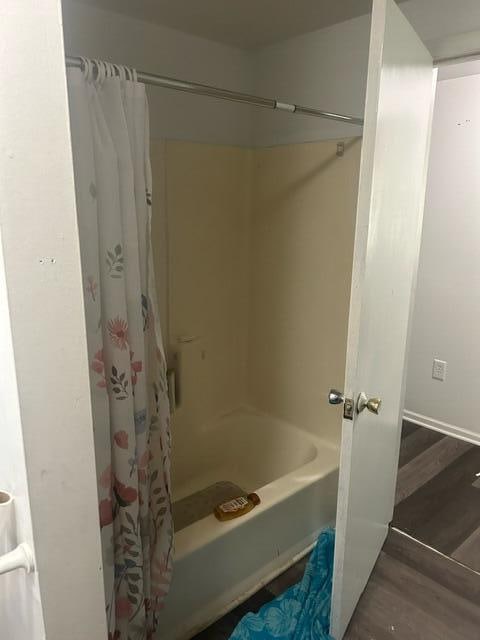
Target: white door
pixel 400 93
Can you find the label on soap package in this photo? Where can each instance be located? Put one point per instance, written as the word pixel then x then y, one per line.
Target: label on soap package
pixel 234 505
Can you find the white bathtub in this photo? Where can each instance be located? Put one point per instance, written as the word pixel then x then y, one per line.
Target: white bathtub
pixel 219 564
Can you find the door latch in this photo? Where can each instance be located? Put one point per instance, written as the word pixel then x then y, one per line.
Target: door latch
pixel 337 397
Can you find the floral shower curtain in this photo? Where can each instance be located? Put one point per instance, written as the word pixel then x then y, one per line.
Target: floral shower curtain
pixel 110 139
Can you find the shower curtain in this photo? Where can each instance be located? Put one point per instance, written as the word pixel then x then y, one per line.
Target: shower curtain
pixel 110 140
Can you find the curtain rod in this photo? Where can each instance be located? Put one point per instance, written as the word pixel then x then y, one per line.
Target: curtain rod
pixel 226 94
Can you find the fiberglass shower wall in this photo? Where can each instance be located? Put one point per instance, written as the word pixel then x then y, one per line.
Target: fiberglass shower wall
pixel 259 262
pixel 302 226
pixel 208 208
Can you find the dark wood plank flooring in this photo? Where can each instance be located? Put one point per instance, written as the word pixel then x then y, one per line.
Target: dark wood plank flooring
pixel 439 493
pixel 415 593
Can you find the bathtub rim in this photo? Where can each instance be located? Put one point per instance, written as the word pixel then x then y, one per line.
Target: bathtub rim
pixel 208 529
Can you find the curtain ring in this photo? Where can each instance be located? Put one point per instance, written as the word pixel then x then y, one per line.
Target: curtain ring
pixel 134 75
pixel 120 71
pixel 86 68
pixel 101 72
pixel 83 67
pixel 111 70
pixel 95 70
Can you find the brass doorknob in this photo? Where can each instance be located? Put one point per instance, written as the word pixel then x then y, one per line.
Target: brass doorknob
pixel 372 404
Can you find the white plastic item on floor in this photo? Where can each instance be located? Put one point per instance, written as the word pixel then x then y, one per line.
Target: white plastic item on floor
pixel 21 557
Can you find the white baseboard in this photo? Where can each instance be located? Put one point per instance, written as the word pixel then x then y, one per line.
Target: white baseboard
pixel 443 427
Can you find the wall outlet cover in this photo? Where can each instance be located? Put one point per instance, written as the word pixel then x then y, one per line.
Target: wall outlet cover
pixel 439 370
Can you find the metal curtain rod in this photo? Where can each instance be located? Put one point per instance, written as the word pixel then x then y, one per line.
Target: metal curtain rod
pixel 226 94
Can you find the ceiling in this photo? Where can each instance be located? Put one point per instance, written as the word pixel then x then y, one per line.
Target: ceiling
pixel 251 24
pixel 247 24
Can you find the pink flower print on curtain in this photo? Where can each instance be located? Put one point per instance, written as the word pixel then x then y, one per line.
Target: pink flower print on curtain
pixel 118 332
pixel 128 369
pixel 99 367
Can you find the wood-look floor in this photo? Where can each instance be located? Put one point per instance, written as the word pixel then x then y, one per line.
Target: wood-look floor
pixel 438 493
pixel 415 592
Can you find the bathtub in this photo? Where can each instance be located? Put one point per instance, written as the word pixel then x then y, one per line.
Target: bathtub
pixel 220 564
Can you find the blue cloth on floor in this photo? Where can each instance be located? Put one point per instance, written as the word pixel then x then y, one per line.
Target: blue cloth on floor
pixel 303 611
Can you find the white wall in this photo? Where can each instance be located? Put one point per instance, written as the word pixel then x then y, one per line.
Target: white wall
pixel 326 69
pixel 47 408
pixel 20 605
pixel 447 308
pixel 436 21
pixel 114 37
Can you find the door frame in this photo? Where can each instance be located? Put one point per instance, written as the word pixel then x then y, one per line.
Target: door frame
pixel 46 332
